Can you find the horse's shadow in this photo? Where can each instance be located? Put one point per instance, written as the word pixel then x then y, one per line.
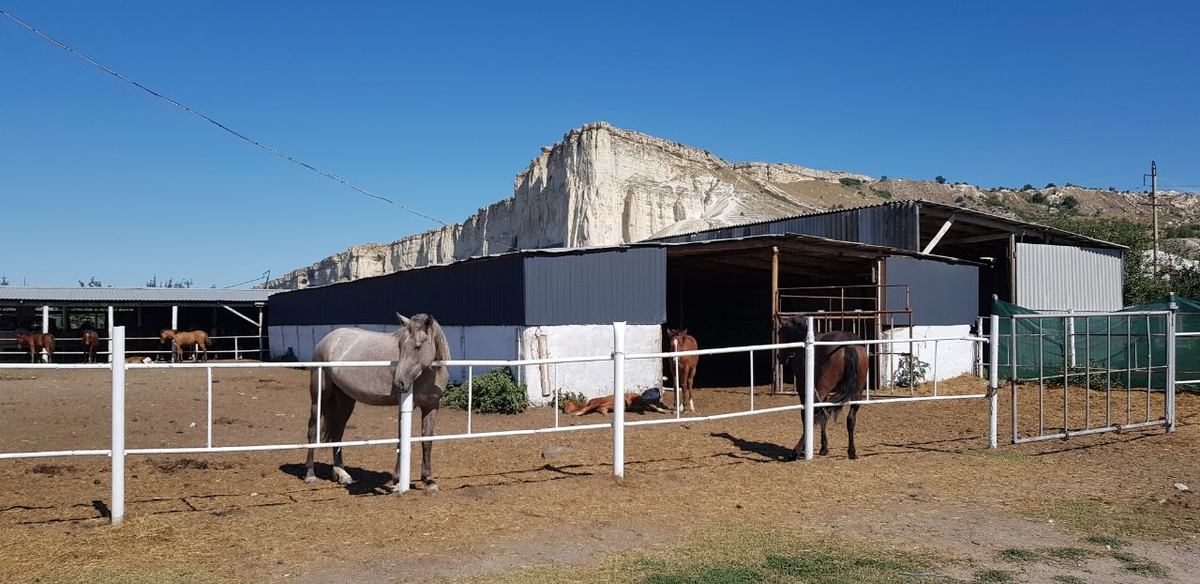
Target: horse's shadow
pixel 366 482
pixel 772 451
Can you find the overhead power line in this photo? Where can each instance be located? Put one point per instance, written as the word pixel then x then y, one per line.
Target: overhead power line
pixel 240 135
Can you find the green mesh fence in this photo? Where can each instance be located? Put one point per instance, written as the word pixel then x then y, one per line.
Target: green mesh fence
pixel 1116 350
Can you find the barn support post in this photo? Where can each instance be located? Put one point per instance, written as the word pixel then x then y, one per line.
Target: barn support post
pixel 117 508
pixel 45 319
pixel 993 379
pixel 406 413
pixel 261 354
pixel 110 330
pixel 1169 382
pixel 175 318
pixel 810 365
pixel 776 366
pixel 618 421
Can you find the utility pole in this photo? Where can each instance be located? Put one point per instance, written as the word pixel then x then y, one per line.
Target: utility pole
pixel 1154 209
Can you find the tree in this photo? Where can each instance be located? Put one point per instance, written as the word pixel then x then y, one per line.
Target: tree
pixel 941 180
pixel 3 280
pixel 91 283
pixel 1027 187
pixel 1051 186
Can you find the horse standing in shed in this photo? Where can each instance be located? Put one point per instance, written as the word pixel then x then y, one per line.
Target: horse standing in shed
pixel 91 342
pixel 840 375
pixel 680 340
pixel 416 345
pixel 36 343
pixel 198 339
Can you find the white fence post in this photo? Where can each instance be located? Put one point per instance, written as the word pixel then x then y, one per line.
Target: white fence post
pixel 619 399
pixel 1169 382
pixel 993 379
pixel 810 365
pixel 117 511
pixel 406 412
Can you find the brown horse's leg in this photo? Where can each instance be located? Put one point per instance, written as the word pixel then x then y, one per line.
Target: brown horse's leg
pixel 344 406
pixel 821 417
pixel 428 419
pixel 850 418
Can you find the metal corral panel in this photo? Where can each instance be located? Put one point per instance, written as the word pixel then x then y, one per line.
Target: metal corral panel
pixel 894 226
pixel 1059 277
pixel 485 292
pixel 597 288
pixel 941 293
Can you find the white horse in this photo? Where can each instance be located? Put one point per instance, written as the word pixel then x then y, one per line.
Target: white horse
pixel 416 345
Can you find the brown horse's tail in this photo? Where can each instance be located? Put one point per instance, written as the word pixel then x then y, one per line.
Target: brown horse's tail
pixel 847 387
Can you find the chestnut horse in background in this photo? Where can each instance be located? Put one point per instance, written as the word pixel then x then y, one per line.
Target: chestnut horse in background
pixel 840 375
pixel 91 342
pixel 36 342
pixel 680 340
pixel 185 339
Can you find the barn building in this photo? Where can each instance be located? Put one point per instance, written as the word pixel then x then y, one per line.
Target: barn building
pixel 909 269
pixel 236 317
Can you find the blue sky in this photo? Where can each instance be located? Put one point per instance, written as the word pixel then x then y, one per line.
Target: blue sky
pixel 440 105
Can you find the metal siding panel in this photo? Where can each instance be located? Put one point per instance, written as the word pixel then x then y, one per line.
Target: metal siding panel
pixel 1057 277
pixel 596 288
pixel 941 293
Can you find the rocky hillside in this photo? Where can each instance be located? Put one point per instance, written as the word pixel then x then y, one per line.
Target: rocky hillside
pixel 604 186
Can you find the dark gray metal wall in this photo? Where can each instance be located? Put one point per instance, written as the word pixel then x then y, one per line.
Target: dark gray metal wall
pixel 597 288
pixel 483 292
pixel 583 287
pixel 895 225
pixel 941 293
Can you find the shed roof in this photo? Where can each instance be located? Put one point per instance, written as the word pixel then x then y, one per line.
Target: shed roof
pixel 125 295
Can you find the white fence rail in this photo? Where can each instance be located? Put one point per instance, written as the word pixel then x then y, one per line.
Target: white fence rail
pixel 118 452
pixel 243 345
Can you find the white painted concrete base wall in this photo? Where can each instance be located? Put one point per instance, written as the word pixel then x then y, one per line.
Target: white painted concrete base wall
pixel 515 342
pixel 953 357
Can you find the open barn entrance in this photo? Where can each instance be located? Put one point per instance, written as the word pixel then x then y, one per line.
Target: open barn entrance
pixel 725 293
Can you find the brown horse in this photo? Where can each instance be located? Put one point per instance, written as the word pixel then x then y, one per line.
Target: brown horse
pixel 185 339
pixel 91 342
pixel 36 343
pixel 840 376
pixel 680 340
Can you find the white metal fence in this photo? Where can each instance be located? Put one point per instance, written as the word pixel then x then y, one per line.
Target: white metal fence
pixel 118 452
pixel 243 346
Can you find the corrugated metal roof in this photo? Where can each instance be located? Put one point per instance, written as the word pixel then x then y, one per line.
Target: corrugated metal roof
pixel 101 295
pixel 758 227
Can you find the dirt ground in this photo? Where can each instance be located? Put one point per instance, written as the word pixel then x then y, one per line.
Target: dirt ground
pixel 925 483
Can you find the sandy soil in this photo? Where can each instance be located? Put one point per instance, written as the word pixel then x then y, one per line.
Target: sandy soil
pixel 925 482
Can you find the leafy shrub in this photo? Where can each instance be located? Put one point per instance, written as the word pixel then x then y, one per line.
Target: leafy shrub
pixel 993 201
pixel 571 396
pixel 496 392
pixel 1051 186
pixel 941 180
pixel 1027 187
pixel 884 177
pixel 1038 199
pixel 911 370
pixel 883 194
pixel 1069 203
pixel 850 182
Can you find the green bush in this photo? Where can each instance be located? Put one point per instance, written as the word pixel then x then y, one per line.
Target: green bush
pixel 1069 203
pixel 850 182
pixel 911 371
pixel 1027 187
pixel 1038 199
pixel 941 180
pixel 496 392
pixel 883 194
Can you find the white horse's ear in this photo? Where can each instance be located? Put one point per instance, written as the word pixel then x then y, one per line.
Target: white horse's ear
pixel 403 321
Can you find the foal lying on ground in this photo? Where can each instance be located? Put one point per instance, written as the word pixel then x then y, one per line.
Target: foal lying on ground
pixel 648 401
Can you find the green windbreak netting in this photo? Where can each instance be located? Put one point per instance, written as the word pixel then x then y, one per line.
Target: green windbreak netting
pixel 1117 349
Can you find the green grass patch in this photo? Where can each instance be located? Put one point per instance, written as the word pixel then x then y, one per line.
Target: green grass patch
pixel 1141 566
pixel 993 577
pixel 1018 555
pixel 1107 541
pixel 1066 579
pixel 1070 554
pixel 738 555
pixel 1093 515
pixel 134 576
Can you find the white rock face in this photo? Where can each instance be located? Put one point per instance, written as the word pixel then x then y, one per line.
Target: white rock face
pixel 599 186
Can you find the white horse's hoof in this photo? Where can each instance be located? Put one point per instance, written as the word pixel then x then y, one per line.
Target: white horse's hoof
pixel 398 489
pixel 431 488
pixel 310 479
pixel 343 477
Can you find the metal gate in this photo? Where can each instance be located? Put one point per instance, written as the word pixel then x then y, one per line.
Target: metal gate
pixel 1088 373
